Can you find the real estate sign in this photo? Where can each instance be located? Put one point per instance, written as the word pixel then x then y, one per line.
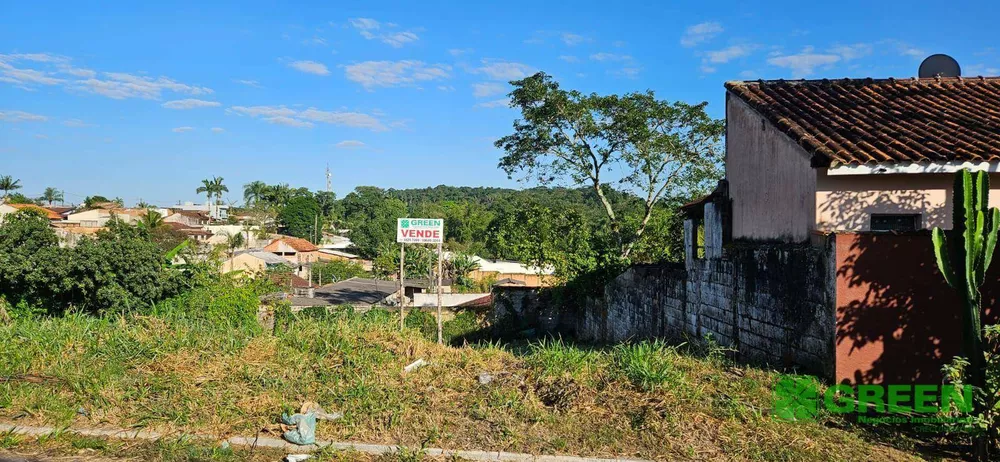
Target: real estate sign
pixel 420 230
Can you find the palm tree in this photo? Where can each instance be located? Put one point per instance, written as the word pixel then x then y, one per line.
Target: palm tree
pixel 52 195
pixel 151 220
pixel 254 192
pixel 461 266
pixel 212 188
pixel 8 184
pixel 234 241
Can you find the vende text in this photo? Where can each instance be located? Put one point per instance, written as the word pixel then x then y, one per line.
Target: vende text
pixel 421 233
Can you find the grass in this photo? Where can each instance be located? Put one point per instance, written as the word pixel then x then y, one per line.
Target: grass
pixel 174 371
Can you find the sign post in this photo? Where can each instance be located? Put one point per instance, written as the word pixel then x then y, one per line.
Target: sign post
pixel 420 231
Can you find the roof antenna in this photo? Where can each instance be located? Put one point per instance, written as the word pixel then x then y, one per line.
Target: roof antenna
pixel 939 65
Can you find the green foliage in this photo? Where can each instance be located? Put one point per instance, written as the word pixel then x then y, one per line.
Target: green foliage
pixel 121 270
pixel 298 218
pixel 18 198
pixel 659 147
pixel 213 187
pixel 965 253
pixel 51 195
pixel 335 271
pixel 542 236
pixel 90 202
pixel 648 364
pixel 461 265
pixel 421 261
pixel 8 184
pixel 371 216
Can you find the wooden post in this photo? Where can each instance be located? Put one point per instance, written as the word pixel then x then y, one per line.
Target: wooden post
pixel 402 286
pixel 440 256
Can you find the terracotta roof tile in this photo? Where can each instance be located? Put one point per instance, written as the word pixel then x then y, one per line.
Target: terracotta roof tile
pixel 297 243
pixel 858 121
pixel 48 213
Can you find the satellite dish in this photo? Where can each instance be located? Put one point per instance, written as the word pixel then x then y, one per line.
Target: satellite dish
pixel 939 65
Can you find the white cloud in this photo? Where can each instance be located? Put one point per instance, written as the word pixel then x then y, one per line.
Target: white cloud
pixel 629 72
pixel 700 33
pixel 288 121
pixel 372 29
pixel 77 71
pixel 27 77
pixel 728 54
pixel 364 24
pixel 850 52
pixel 569 59
pixel 398 39
pixel 503 102
pixel 446 88
pixel 503 70
pixel 218 129
pixel 805 63
pixel 485 89
pixel 573 39
pixel 190 103
pixel 182 129
pixel 609 57
pixel 310 67
pixel 371 74
pixel 350 144
pixel 77 123
pixel 459 51
pixel 349 119
pixel 283 115
pixel 36 57
pixel 981 69
pixel 249 83
pixel 119 85
pixel 316 40
pixel 21 116
pixel 906 49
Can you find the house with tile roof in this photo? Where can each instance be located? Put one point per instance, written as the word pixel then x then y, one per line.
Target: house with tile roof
pixel 850 155
pixel 12 208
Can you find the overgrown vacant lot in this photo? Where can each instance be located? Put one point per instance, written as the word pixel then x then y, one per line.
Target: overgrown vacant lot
pixel 173 372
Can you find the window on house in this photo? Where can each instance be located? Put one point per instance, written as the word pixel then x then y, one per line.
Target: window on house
pixel 895 221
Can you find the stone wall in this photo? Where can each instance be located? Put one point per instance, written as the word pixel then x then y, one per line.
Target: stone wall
pixel 772 304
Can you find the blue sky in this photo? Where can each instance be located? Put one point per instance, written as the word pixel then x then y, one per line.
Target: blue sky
pixel 143 101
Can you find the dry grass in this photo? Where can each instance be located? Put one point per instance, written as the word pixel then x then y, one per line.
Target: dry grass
pixel 174 374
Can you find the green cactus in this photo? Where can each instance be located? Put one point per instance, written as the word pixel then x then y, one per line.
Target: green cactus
pixel 963 256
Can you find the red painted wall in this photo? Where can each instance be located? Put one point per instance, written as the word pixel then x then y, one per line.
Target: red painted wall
pixel 897 320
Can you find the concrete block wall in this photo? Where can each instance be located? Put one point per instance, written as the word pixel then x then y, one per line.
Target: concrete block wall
pixel 771 303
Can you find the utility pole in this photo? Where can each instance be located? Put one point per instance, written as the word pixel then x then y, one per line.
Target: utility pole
pixel 440 256
pixel 402 286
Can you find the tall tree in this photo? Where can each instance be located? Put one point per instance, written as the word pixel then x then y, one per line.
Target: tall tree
pixel 52 195
pixel 570 136
pixel 151 220
pixel 298 218
pixel 8 184
pixel 254 192
pixel 371 216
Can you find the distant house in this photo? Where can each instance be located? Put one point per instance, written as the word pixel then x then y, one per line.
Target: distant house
pixel 213 211
pixel 326 254
pixel 499 270
pixel 199 234
pixel 6 209
pixel 252 261
pixel 187 218
pixel 294 249
pixel 357 292
pixel 855 155
pixel 99 217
